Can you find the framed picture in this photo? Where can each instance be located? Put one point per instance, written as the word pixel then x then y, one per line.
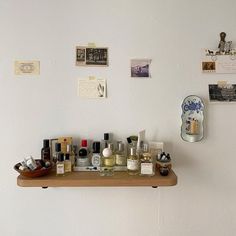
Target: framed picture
pixel 140 68
pixel 91 56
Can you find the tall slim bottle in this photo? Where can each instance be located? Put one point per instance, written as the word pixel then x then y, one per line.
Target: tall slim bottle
pixel 133 162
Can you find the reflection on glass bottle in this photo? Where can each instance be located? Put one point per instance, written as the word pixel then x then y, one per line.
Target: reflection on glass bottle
pixel 107 163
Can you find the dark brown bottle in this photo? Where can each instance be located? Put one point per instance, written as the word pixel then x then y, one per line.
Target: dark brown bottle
pixel 45 152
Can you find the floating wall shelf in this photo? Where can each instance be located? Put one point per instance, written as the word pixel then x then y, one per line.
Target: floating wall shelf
pixel 93 179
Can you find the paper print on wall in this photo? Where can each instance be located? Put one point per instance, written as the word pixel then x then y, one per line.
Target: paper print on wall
pixel 222 92
pixel 92 88
pixel 91 56
pixel 192 119
pixel 140 68
pixel 27 67
pixel 221 60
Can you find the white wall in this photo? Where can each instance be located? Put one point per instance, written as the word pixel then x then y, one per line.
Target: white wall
pixel 169 32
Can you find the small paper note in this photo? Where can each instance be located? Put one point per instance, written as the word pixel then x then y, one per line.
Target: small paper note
pixel 92 88
pixel 27 67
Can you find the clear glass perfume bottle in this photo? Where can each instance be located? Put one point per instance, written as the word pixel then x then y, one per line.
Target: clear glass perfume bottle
pixel 121 159
pixel 67 163
pixel 133 162
pixel 96 156
pixel 60 166
pixel 107 163
pixel 69 150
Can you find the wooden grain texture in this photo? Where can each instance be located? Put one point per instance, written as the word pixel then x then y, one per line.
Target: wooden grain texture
pixel 93 179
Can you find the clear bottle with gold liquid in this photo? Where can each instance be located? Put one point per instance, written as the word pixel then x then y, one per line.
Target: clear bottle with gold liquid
pixel 107 162
pixel 133 162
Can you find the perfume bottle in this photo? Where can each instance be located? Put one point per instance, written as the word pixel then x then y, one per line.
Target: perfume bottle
pixel 57 152
pixel 107 163
pixel 60 166
pixel 69 150
pixel 45 152
pixel 120 157
pixel 83 159
pixel 75 151
pixel 96 156
pixel 133 162
pixel 147 167
pixel 67 163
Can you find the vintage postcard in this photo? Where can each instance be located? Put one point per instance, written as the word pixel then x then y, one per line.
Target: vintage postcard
pixel 215 62
pixel 140 68
pixel 92 88
pixel 27 67
pixel 91 56
pixel 222 92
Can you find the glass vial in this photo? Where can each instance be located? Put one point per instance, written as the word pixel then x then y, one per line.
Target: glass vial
pixel 57 152
pixel 107 163
pixel 45 152
pixel 69 150
pixel 133 162
pixel 96 156
pixel 60 166
pixel 120 157
pixel 67 162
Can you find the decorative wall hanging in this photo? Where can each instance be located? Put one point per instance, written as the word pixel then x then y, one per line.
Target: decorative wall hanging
pixel 92 88
pixel 220 60
pixel 222 92
pixel 192 119
pixel 91 56
pixel 27 67
pixel 140 68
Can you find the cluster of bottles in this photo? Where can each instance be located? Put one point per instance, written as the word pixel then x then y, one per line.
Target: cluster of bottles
pixel 104 157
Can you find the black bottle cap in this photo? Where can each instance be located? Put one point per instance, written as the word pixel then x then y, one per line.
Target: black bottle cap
pixel 96 147
pixel 67 156
pixel 129 140
pixel 106 136
pixel 60 156
pixel 57 147
pixel 46 143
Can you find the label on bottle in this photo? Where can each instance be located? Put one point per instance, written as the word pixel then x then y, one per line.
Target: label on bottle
pixel 96 160
pixel 146 168
pixel 120 160
pixel 60 168
pixel 132 164
pixel 109 161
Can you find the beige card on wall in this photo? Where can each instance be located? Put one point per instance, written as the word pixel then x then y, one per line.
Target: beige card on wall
pixel 27 67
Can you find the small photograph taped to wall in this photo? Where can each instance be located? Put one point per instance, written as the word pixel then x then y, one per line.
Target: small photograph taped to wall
pixel 208 66
pixel 91 56
pixel 140 68
pixel 97 56
pixel 80 55
pixel 222 93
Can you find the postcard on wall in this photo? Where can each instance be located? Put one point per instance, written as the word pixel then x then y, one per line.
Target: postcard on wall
pixel 91 56
pixel 92 88
pixel 214 62
pixel 222 92
pixel 27 67
pixel 140 68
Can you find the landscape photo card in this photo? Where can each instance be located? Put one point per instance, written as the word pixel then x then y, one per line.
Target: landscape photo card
pixel 140 68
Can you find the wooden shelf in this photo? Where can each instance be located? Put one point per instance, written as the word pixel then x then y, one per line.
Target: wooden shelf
pixel 93 179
